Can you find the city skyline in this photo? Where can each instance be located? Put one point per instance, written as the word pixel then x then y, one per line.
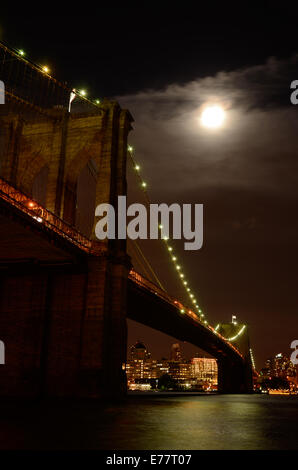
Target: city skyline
pixel 145 372
pixel 144 369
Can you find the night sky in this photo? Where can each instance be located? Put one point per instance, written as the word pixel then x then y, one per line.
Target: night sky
pixel 163 64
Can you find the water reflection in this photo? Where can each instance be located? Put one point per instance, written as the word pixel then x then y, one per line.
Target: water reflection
pixel 179 422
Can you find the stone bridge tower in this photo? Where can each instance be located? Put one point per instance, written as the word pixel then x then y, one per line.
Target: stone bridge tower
pixel 63 311
pixel 238 334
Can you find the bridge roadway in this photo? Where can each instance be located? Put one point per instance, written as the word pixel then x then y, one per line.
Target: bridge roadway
pixel 30 232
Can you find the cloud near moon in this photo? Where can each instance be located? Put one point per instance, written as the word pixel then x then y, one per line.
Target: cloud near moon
pixel 256 148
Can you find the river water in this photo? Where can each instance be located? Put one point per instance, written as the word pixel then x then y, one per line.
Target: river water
pixel 160 422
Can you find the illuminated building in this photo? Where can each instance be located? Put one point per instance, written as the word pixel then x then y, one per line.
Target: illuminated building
pixel 204 371
pixel 142 370
pixel 179 369
pixel 279 373
pixel 279 366
pixel 141 367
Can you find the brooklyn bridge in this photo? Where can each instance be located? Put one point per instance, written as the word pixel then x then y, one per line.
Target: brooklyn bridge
pixel 64 295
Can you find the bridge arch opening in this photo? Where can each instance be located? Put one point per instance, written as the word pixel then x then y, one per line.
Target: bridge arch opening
pixel 39 186
pixel 85 198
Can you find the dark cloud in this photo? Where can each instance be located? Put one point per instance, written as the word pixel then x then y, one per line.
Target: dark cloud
pixel 255 148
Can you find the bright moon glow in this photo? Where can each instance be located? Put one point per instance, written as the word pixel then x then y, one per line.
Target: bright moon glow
pixel 212 116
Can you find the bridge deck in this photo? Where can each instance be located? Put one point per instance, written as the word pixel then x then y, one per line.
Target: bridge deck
pixel 43 222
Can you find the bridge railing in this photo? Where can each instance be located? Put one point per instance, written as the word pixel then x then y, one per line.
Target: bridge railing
pixel 45 217
pixel 142 281
pixel 31 88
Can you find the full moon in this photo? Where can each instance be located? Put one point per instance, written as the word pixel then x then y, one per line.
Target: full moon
pixel 212 116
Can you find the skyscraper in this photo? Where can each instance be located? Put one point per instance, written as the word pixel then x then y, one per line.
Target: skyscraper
pixel 176 352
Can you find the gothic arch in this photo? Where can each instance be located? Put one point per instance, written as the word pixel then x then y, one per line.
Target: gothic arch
pixel 73 170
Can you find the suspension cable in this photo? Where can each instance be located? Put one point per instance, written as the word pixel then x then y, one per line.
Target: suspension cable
pixel 168 245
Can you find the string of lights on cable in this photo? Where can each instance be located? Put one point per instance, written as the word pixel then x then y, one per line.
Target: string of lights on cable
pixel 167 243
pixel 233 338
pixel 46 71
